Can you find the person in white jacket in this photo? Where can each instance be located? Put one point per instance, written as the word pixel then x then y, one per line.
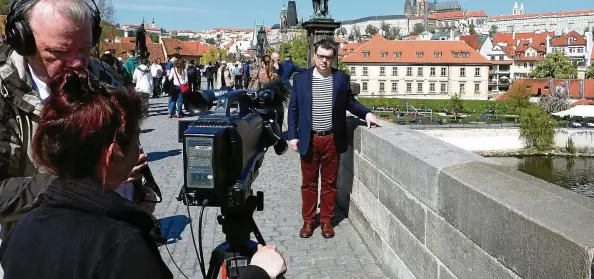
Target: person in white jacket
pixel 144 83
pixel 178 75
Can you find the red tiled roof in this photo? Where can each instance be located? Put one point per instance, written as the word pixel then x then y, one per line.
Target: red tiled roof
pixel 508 38
pixel 233 29
pixel 408 50
pixel 131 40
pixel 121 50
pixel 549 14
pixel 192 48
pixel 456 15
pixel 349 48
pixel 562 40
pixel 471 40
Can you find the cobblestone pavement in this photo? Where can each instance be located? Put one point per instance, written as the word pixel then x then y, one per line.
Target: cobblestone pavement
pixel 344 256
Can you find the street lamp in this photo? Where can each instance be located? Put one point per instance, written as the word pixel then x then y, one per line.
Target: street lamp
pixel 177 48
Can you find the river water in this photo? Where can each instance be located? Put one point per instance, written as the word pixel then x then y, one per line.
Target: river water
pixel 576 174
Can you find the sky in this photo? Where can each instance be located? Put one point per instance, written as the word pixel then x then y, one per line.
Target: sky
pixel 207 14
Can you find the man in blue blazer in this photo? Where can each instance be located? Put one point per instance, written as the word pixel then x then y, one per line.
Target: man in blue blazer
pixel 317 129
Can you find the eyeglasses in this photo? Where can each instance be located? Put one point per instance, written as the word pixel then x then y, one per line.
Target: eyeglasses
pixel 322 57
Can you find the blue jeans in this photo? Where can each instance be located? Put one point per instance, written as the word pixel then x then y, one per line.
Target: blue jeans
pixel 176 97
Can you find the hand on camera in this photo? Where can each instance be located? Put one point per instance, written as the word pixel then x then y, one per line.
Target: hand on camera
pixel 136 174
pixel 270 260
pixel 294 144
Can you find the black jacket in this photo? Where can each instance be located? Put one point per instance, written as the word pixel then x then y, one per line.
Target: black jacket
pixel 81 230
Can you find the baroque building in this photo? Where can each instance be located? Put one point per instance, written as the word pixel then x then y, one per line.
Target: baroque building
pixel 422 7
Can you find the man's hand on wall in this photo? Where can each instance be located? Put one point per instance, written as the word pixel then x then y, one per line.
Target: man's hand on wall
pixel 371 120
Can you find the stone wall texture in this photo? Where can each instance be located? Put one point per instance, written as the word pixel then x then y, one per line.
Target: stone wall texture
pixel 428 209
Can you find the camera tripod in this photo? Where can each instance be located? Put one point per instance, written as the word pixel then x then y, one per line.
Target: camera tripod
pixel 238 249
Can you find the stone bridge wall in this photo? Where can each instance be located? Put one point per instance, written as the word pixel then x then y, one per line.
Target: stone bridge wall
pixel 427 209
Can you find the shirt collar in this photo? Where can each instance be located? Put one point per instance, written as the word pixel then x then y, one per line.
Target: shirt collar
pixel 318 75
pixel 39 85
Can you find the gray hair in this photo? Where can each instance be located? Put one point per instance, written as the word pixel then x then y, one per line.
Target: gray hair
pixel 80 12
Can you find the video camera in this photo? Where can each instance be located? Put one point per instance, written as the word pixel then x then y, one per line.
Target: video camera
pixel 224 149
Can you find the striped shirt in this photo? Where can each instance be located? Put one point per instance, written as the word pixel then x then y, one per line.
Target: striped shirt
pixel 321 102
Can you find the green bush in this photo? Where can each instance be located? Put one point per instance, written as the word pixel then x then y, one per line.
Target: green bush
pixel 471 106
pixel 537 128
pixel 570 146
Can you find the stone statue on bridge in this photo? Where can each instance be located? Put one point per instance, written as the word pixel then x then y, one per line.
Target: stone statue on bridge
pixel 320 8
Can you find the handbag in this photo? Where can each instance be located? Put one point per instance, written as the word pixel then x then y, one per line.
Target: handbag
pixel 184 88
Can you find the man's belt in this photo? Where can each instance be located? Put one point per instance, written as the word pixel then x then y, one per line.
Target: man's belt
pixel 322 133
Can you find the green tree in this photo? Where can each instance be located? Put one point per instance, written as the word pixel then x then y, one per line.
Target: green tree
pixel 4 7
pixel 154 37
pixel 341 31
pixel 471 29
pixel 518 96
pixel 554 103
pixel 356 32
pixel 351 37
pixel 555 65
pixel 417 29
pixel 493 31
pixel 210 41
pixel 537 128
pixel 343 67
pixel 210 56
pixel 385 27
pixel 590 71
pixel 456 104
pixel 371 30
pixel 394 33
pixel 224 53
pixel 109 31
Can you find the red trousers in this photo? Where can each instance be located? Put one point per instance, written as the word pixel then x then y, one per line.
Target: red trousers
pixel 320 158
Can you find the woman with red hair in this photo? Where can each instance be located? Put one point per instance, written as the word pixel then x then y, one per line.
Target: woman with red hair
pixel 88 138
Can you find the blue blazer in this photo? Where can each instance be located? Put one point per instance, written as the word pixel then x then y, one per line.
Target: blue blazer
pixel 300 109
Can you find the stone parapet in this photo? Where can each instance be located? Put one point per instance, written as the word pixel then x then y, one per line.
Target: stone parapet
pixel 428 209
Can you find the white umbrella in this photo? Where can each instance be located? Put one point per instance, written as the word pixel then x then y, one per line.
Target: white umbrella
pixel 581 111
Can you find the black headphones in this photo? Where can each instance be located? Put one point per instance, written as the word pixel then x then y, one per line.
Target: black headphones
pixel 19 36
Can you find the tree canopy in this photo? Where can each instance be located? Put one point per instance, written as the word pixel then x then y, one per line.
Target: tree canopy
pixel 555 65
pixel 417 29
pixel 371 30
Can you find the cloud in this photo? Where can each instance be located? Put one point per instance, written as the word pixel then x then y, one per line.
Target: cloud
pixel 156 8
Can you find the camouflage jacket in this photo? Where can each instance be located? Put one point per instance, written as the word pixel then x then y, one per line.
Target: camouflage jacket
pixel 20 111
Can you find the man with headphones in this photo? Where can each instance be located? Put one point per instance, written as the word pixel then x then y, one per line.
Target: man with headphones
pixel 41 38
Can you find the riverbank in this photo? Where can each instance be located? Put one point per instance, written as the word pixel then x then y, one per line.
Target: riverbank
pixel 507 140
pixel 528 152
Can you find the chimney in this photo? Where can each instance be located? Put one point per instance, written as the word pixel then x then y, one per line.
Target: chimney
pixel 581 88
pixel 514 35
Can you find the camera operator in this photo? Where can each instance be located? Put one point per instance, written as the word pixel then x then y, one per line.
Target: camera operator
pixel 81 221
pixel 43 37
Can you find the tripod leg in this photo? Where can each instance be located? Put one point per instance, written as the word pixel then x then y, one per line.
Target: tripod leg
pixel 216 260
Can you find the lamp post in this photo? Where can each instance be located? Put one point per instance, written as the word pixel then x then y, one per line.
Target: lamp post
pixel 177 48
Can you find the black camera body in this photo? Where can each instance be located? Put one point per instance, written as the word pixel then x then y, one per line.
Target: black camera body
pixel 224 150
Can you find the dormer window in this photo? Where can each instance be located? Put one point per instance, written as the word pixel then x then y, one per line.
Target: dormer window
pixel 397 54
pixel 456 54
pixel 465 54
pixel 366 54
pixel 419 54
pixel 437 54
pixel 384 54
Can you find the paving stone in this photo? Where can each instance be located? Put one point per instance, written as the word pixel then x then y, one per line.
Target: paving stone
pixel 344 256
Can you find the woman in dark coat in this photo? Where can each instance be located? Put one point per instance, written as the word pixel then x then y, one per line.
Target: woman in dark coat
pixel 82 228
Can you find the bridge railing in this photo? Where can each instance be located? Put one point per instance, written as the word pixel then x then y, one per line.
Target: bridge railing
pixel 428 209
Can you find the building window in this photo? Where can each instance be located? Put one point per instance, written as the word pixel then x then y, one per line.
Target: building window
pixel 462 88
pixel 364 86
pixel 443 71
pixel 477 88
pixel 364 71
pixel 443 87
pixel 420 87
pixel 456 54
pixel 465 54
pixel 394 86
pixel 353 72
pixel 420 71
pixel 394 71
pixel 408 71
pixel 432 71
pixel 462 72
pixel 432 87
pixel 366 54
pixel 382 86
pixel 477 72
pixel 408 87
pixel 437 54
pixel 397 54
pixel 382 71
pixel 419 54
pixel 384 54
